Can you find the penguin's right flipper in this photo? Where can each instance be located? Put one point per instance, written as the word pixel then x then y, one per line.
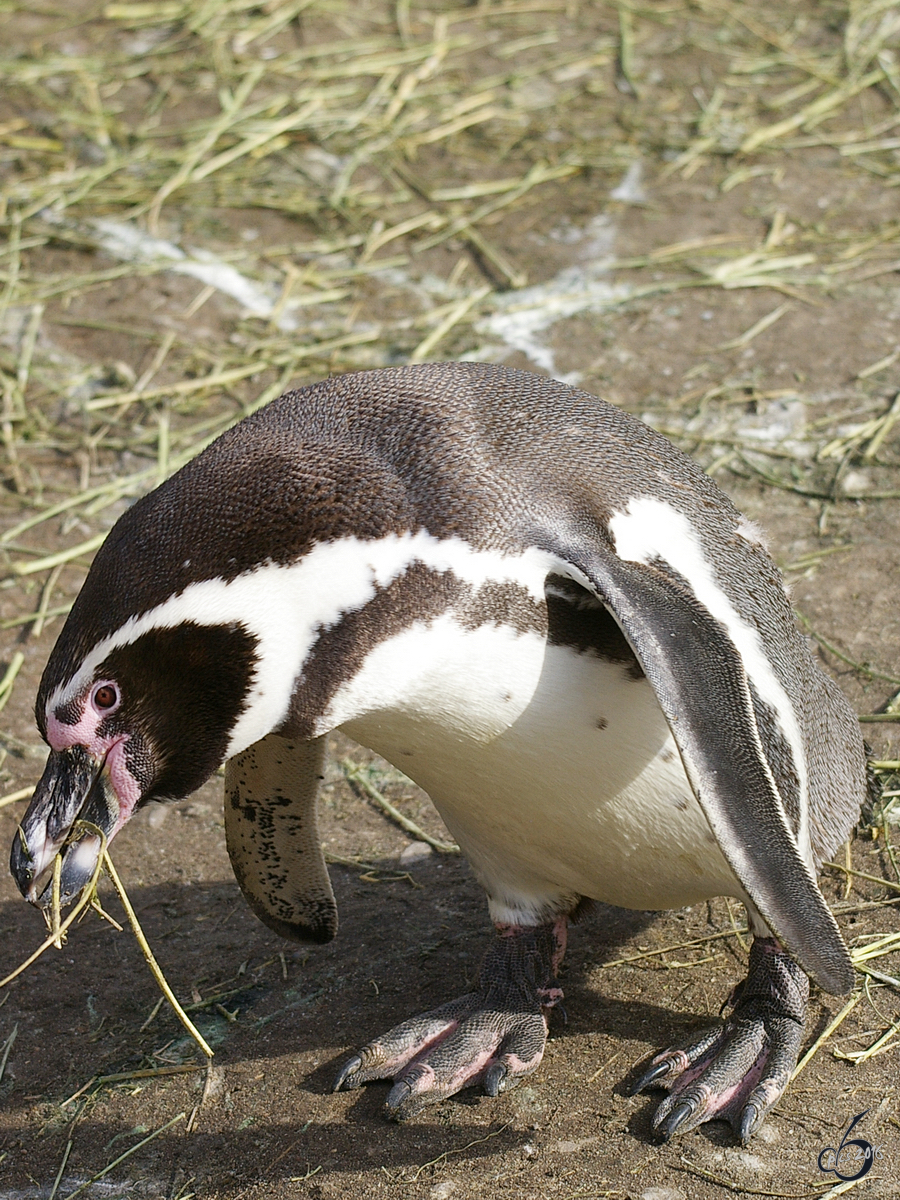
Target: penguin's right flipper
pixel 702 683
pixel 273 837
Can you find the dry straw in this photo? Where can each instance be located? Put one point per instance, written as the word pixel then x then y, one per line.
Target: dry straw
pixel 334 133
pixel 88 897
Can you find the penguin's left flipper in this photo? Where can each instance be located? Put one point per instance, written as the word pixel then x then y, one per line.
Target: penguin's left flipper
pixel 494 1035
pixel 736 1071
pixel 702 679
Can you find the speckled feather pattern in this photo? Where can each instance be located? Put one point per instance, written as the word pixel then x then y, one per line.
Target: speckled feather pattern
pixel 273 836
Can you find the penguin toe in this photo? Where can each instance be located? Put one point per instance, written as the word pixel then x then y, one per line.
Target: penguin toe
pixel 739 1077
pixel 736 1071
pixel 388 1055
pixel 493 1036
pixel 436 1055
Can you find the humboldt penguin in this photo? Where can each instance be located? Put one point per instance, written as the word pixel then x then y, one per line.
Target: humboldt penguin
pixel 544 614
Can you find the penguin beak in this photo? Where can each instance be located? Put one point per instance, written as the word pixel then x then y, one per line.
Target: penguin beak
pixel 74 786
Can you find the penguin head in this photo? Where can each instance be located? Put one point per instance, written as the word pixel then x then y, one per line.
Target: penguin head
pixel 151 720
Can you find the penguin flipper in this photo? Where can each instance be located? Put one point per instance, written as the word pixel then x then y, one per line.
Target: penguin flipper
pixel 272 836
pixel 701 682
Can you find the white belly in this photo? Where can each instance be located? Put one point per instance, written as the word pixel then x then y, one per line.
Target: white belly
pixel 555 770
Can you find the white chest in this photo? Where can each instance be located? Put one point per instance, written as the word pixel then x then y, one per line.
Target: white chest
pixel 555 770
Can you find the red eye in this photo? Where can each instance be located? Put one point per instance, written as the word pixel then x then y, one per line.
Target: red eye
pixel 106 696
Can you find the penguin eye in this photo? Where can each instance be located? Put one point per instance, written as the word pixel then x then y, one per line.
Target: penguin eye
pixel 105 697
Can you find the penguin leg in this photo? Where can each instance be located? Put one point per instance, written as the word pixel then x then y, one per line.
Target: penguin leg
pixel 736 1071
pixel 494 1035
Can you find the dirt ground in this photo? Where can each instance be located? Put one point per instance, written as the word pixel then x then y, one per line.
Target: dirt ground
pixel 262 1123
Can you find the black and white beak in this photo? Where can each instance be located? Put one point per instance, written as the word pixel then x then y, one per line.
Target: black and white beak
pixel 75 786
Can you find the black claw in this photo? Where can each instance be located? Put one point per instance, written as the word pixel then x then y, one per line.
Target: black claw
pixel 495 1079
pixel 350 1067
pixel 750 1120
pixel 650 1077
pixel 680 1113
pixel 397 1106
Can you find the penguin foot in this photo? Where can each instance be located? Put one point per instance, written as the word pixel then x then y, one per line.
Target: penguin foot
pixel 736 1071
pixel 494 1035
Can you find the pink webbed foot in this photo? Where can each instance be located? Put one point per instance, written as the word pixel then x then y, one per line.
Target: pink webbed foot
pixel 494 1035
pixel 736 1071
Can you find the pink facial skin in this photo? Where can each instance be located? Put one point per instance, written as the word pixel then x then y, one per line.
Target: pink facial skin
pixel 109 750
